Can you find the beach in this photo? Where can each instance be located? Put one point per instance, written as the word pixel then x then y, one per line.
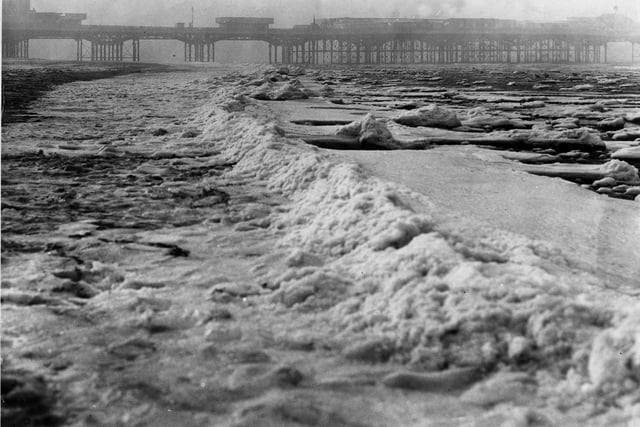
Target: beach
pixel 257 245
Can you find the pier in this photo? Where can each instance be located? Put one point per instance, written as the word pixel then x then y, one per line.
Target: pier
pixel 345 41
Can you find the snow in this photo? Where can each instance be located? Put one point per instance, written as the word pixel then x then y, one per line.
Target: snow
pixel 435 296
pixel 363 269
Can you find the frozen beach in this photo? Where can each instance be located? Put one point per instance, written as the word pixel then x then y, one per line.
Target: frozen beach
pixel 198 247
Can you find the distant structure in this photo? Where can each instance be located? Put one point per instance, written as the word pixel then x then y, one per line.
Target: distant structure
pixel 351 41
pixel 201 48
pixel 18 14
pixel 244 25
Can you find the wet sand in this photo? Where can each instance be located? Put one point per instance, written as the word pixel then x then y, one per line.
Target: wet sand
pixel 24 81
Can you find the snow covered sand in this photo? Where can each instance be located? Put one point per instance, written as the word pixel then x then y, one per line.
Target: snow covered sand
pixel 318 295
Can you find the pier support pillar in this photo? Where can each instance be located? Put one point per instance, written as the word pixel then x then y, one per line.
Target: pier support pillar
pixel 15 48
pixel 199 51
pixel 104 50
pixel 135 50
pixel 108 50
pixel 79 50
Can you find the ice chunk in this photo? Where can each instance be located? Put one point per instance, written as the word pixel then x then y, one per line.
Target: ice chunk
pixel 533 104
pixel 583 87
pixel 633 117
pixel 627 153
pixel 482 118
pixel 620 170
pixel 429 116
pixel 369 132
pixel 611 124
pixel 290 90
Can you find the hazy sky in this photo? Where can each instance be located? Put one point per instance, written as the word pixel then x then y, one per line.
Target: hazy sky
pixel 289 12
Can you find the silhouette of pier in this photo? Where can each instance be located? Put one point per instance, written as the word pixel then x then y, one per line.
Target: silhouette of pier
pixel 348 41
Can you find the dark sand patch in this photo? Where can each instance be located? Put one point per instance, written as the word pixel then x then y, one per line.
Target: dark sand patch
pixel 25 81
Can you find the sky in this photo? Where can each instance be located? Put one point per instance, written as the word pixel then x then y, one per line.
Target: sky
pixel 290 12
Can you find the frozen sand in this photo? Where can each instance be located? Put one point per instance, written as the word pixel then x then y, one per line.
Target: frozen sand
pixel 306 299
